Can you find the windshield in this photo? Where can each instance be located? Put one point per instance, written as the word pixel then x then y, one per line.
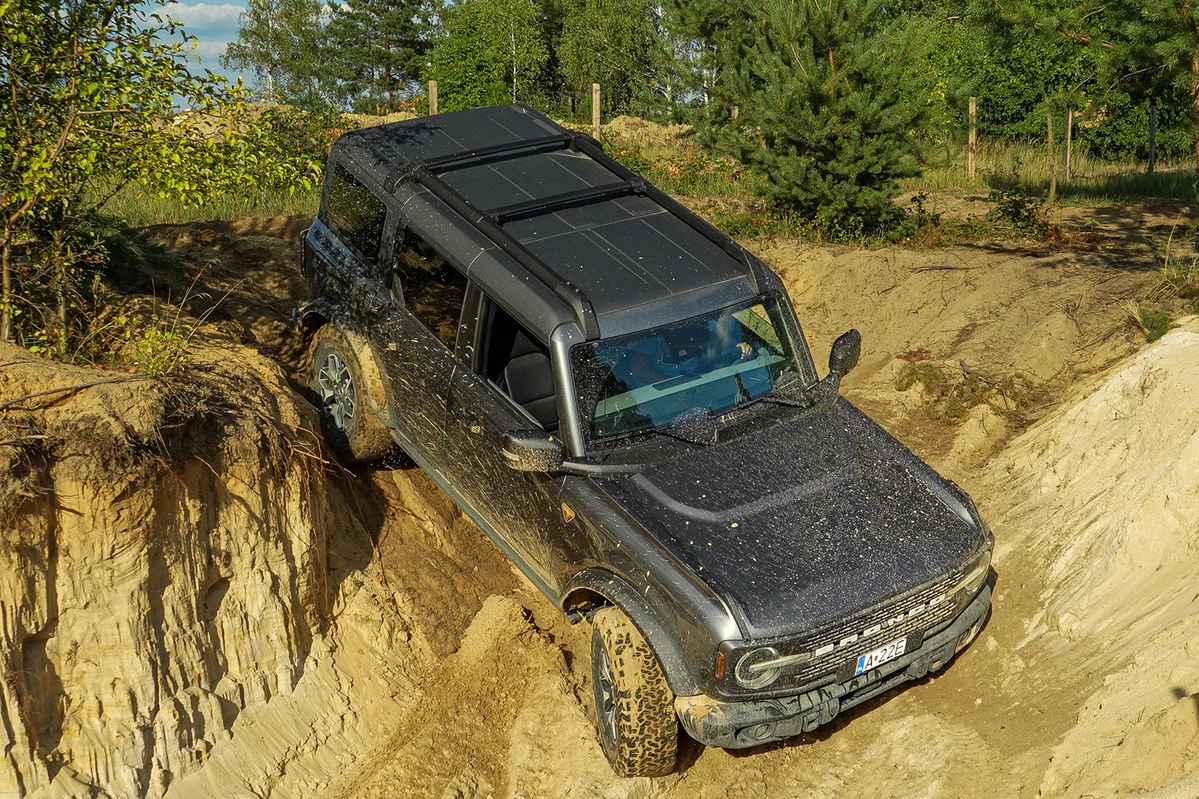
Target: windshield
pixel 712 363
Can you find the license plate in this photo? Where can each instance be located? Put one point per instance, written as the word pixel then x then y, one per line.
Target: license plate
pixel 877 657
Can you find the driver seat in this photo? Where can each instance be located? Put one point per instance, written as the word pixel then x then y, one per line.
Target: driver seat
pixel 528 378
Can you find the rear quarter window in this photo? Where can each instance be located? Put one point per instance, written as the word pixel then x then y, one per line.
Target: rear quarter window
pixel 433 289
pixel 354 213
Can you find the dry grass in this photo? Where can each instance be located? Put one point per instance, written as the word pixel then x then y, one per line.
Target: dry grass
pixel 1180 263
pixel 1094 182
pixel 953 391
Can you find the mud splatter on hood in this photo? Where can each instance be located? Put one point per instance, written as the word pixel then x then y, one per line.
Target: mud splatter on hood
pixel 804 523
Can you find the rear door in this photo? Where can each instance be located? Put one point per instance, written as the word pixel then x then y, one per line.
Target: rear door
pixel 416 332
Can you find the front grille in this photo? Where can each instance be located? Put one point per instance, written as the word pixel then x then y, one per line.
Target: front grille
pixel 831 661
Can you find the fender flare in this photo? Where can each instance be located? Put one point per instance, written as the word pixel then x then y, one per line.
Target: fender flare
pixel 616 591
pixel 312 316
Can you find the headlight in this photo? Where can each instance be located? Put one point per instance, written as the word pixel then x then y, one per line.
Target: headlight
pixel 755 668
pixel 975 576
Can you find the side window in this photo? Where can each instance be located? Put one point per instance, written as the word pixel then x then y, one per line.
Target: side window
pixel 519 365
pixel 354 213
pixel 433 289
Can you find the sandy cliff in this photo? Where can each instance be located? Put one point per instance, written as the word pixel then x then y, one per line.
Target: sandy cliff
pixel 163 567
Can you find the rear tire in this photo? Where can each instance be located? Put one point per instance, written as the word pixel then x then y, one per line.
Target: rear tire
pixel 634 707
pixel 342 394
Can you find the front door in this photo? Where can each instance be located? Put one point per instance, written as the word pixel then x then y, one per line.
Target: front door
pixel 510 387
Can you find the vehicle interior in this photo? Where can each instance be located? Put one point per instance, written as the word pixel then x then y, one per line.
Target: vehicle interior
pixel 519 366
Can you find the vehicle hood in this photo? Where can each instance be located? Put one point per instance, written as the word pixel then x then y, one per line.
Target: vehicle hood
pixel 804 523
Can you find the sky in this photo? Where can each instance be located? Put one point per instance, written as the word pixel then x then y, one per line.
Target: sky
pixel 213 24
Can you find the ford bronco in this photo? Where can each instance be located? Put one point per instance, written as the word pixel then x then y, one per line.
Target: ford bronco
pixel 622 398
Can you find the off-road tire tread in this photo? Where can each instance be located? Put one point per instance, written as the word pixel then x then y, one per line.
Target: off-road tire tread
pixel 648 728
pixel 368 438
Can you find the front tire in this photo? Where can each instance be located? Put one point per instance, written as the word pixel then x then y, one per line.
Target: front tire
pixel 634 706
pixel 341 392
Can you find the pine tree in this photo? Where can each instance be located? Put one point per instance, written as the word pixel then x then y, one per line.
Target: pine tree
pixel 376 51
pixel 721 33
pixel 280 41
pixel 1157 47
pixel 493 52
pixel 830 97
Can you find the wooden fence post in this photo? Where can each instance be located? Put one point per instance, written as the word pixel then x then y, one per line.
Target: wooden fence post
pixel 595 111
pixel 1049 155
pixel 432 97
pixel 1152 135
pixel 973 145
pixel 1069 139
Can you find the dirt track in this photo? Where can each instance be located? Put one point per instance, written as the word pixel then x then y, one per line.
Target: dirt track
pixel 502 701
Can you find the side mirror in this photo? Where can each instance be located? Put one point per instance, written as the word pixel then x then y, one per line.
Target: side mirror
pixel 847 349
pixel 533 451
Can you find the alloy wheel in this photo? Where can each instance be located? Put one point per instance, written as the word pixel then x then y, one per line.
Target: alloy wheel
pixel 336 388
pixel 607 695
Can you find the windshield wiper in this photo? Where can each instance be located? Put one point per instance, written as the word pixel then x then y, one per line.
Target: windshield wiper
pixel 696 426
pixel 794 395
pixel 687 435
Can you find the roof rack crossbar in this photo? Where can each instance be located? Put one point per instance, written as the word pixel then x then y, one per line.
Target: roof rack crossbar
pixel 608 191
pixel 444 162
pixel 591 147
pixel 569 293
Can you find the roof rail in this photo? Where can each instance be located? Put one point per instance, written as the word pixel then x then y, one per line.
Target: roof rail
pixel 609 191
pixel 565 290
pixel 444 163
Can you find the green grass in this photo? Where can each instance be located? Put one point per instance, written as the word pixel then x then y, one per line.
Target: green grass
pixel 685 170
pixel 139 209
pixel 1094 182
pixel 1154 322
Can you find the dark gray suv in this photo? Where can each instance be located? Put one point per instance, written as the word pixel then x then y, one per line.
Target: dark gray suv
pixel 621 397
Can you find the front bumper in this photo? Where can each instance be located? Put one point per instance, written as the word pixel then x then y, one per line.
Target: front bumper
pixel 737 725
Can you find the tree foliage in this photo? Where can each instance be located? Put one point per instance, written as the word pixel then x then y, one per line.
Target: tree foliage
pixel 493 52
pixel 830 96
pixel 87 104
pixel 281 42
pixel 725 31
pixel 376 51
pixel 1157 49
pixel 614 43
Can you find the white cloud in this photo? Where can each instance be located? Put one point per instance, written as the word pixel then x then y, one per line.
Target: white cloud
pixel 206 15
pixel 210 52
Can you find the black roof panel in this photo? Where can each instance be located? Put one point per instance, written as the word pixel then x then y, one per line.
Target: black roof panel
pixel 495 184
pixel 625 252
pixel 555 196
pixel 426 139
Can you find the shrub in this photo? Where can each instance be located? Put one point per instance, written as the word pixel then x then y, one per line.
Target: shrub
pixel 88 105
pixel 1022 210
pixel 829 95
pixel 157 350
